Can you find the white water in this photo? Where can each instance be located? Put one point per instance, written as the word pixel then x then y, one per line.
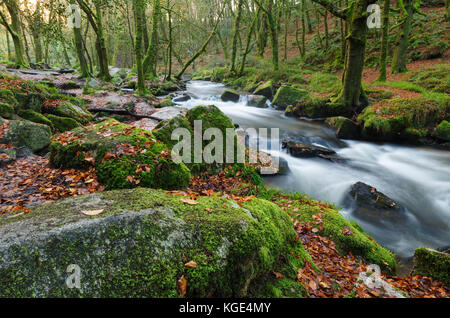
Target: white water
pixel 417 178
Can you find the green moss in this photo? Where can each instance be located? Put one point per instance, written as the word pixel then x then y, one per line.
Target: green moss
pixel 402 119
pixel 288 95
pixel 35 117
pixel 359 243
pixel 63 123
pixel 70 110
pixel 265 89
pixel 443 131
pixel 344 127
pixel 317 107
pixel 6 111
pixel 138 247
pixel 163 131
pixel 148 163
pixel 431 263
pixel 166 102
pixel 324 83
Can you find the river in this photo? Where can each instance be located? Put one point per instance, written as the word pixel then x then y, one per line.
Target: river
pixel 416 177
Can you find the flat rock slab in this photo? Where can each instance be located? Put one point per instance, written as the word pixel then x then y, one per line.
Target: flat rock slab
pixel 168 113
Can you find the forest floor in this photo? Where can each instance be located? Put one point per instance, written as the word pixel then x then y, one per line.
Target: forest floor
pixel 32 181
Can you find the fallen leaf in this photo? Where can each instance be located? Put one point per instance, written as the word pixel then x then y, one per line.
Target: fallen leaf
pixel 191 264
pixel 93 212
pixel 182 284
pixel 189 201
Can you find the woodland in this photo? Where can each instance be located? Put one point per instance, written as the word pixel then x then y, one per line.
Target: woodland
pixel 92 93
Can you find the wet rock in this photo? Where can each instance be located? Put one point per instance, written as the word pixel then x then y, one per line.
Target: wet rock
pixel 432 263
pixel 230 96
pixel 257 101
pixel 344 127
pixel 181 98
pixel 373 206
pixel 265 89
pixel 301 150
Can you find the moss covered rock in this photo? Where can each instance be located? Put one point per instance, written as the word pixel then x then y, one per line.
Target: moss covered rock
pixel 316 108
pixel 24 133
pixel 35 117
pixel 265 89
pixel 138 245
pixel 443 131
pixel 164 129
pixel 63 124
pixel 257 101
pixel 288 95
pixel 230 96
pixel 333 225
pixel 401 119
pixel 344 127
pixel 70 110
pixel 431 263
pixel 124 157
pixel 6 110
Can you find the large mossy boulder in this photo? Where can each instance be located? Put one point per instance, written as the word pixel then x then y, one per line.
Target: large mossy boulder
pixel 206 116
pixel 318 108
pixel 443 131
pixel 265 89
pixel 432 263
pixel 257 101
pixel 24 133
pixel 137 245
pixel 288 95
pixel 344 127
pixel 124 157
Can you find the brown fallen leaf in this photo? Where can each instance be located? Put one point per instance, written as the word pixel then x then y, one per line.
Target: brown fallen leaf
pixel 191 264
pixel 182 284
pixel 278 275
pixel 93 212
pixel 189 201
pixel 208 210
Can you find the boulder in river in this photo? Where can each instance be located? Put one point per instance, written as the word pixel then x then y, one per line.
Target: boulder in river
pixel 374 206
pixel 181 98
pixel 443 131
pixel 135 243
pixel 257 101
pixel 265 89
pixel 301 150
pixel 432 263
pixel 230 96
pixel 344 127
pixel 288 95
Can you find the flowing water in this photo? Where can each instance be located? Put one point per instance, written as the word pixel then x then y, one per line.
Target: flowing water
pixel 417 178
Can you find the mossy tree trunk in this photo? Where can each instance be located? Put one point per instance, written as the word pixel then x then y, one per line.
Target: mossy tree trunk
pixel 237 21
pixel 408 9
pixel 96 21
pixel 384 40
pixel 150 58
pixel 138 7
pixel 352 96
pixel 14 30
pixel 273 30
pixel 247 45
pixel 262 34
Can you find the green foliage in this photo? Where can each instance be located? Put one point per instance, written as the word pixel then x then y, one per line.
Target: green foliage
pixel 63 124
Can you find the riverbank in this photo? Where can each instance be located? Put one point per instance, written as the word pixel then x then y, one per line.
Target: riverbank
pixel 318 226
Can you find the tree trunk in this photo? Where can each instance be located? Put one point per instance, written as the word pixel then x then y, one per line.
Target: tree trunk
pixel 384 40
pixel 237 21
pixel 138 7
pixel 150 58
pixel 401 47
